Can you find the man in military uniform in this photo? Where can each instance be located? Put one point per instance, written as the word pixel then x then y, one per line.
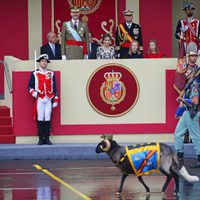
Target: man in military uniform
pixel 75 37
pixel 188 28
pixel 42 86
pixel 190 117
pixel 127 33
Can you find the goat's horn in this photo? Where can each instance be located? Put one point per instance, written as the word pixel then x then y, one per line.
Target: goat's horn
pixel 108 145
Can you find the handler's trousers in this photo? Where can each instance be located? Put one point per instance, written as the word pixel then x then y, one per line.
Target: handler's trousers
pixel 192 125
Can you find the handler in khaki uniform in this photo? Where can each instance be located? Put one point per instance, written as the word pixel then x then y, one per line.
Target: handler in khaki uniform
pixel 75 37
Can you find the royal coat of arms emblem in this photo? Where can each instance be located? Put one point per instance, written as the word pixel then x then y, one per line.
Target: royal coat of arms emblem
pixel 87 6
pixel 113 90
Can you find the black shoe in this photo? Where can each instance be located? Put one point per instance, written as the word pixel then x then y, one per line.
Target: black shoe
pixel 41 142
pixel 47 141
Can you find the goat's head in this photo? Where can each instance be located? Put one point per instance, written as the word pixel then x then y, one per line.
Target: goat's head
pixel 106 144
pixel 103 146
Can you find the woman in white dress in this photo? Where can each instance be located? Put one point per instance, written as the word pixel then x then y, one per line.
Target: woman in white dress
pixel 106 51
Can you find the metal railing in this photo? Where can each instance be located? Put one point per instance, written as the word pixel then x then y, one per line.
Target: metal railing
pixel 7 75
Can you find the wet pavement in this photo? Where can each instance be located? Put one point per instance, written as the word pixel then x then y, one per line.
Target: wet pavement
pixel 77 180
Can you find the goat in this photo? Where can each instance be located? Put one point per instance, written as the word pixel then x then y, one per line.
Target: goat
pixel 169 164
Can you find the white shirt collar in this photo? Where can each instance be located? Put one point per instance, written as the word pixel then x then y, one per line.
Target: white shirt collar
pixel 73 21
pixel 129 24
pixel 51 44
pixel 190 19
pixel 43 70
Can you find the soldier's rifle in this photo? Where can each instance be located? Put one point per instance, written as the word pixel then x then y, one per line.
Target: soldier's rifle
pixel 35 67
pixel 181 99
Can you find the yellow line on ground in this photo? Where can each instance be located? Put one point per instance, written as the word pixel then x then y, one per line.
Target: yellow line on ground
pixel 38 167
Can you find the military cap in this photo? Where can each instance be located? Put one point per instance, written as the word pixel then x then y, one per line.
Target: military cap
pixel 188 5
pixel 128 12
pixel 43 57
pixel 75 9
pixel 192 53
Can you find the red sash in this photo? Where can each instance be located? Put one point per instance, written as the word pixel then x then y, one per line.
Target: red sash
pixel 77 43
pixel 126 45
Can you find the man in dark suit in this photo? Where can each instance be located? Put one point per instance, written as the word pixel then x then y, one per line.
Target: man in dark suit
pixel 128 32
pixel 92 48
pixel 52 49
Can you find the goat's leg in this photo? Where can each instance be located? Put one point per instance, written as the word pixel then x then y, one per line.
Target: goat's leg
pixel 176 179
pixel 122 183
pixel 146 187
pixel 168 179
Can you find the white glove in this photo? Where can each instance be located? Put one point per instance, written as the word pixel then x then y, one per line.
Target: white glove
pixel 86 57
pixel 34 94
pixel 55 104
pixel 184 29
pixel 64 57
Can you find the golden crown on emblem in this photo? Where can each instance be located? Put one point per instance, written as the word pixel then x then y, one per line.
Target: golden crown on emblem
pixel 111 76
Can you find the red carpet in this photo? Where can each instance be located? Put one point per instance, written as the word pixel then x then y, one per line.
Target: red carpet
pixel 6 134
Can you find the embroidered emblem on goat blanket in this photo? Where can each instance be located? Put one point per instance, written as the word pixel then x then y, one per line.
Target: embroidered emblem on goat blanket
pixel 144 158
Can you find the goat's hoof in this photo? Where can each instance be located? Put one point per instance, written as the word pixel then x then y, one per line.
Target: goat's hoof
pixel 175 194
pixel 148 194
pixel 163 195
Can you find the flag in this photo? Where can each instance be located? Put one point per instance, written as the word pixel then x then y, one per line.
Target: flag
pixel 180 77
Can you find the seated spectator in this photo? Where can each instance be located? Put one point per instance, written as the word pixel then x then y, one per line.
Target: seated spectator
pixel 52 49
pixel 153 51
pixel 92 54
pixel 134 51
pixel 106 51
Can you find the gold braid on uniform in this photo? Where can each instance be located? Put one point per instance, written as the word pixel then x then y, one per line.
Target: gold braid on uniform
pixel 123 38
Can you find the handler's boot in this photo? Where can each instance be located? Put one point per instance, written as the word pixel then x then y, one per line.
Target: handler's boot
pixel 47 133
pixel 40 127
pixel 197 164
pixel 180 157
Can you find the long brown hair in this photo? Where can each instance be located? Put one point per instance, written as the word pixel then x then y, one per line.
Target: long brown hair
pixel 156 49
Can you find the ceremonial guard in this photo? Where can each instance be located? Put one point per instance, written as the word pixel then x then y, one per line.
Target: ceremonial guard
pixel 127 33
pixel 189 120
pixel 188 28
pixel 42 86
pixel 75 37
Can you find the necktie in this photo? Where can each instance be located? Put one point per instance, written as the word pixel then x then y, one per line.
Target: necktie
pixel 53 49
pixel 129 26
pixel 75 25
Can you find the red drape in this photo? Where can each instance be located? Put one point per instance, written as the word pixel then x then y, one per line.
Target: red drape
pixel 14 32
pixel 156 21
